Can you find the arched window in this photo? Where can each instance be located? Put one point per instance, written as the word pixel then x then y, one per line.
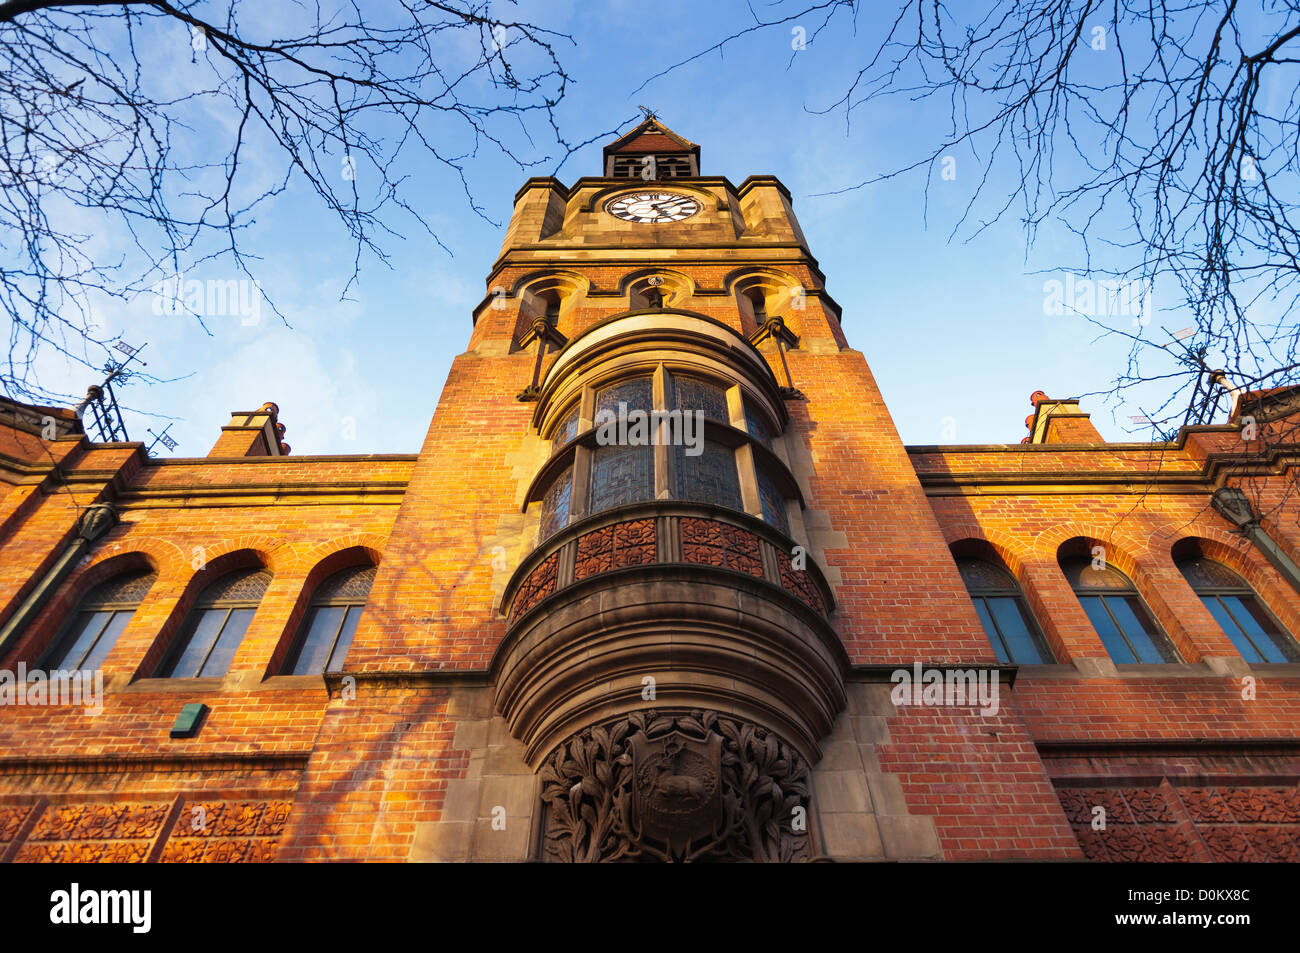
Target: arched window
pixel 100 619
pixel 1258 636
pixel 336 605
pixel 1012 630
pixel 1117 612
pixel 215 626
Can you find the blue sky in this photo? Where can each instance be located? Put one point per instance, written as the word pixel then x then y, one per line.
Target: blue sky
pixel 954 330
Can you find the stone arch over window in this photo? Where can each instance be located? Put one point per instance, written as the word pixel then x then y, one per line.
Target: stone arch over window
pixel 762 294
pixel 102 614
pixel 216 622
pixel 656 288
pixel 1010 624
pixel 1244 617
pixel 552 295
pixel 1123 621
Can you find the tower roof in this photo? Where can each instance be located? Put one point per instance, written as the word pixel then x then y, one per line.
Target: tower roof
pixel 651 136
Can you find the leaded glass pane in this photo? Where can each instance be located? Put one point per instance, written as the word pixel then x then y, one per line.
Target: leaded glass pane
pixel 693 394
pixel 243 585
pixel 1202 573
pixel 1082 575
pixel 567 428
pixel 757 426
pixel 555 503
pixel 348 585
pixel 772 502
pixel 980 575
pixel 621 475
pixel 635 394
pixel 709 477
pixel 129 588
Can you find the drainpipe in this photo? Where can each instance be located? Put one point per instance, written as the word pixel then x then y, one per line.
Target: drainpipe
pixel 93 523
pixel 1231 503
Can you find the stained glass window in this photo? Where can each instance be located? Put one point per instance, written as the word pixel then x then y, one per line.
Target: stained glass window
pixel 773 503
pixel 635 394
pixel 331 622
pixel 100 619
pixel 216 625
pixel 621 474
pixel 693 394
pixel 1118 613
pixel 1245 621
pixel 567 428
pixel 757 426
pixel 1010 626
pixel 555 503
pixel 710 477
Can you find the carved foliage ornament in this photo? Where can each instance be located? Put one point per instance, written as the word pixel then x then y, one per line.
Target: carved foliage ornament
pixel 675 787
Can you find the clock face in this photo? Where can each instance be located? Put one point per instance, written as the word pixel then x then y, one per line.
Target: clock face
pixel 652 206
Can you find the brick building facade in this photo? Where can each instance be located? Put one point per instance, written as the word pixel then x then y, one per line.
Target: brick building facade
pixel 545 638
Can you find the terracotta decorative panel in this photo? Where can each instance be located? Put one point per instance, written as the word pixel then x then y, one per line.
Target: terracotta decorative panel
pixel 711 543
pixel 630 543
pixel 11 822
pixel 1226 824
pixel 539 584
pixel 100 822
pixel 798 582
pixel 204 831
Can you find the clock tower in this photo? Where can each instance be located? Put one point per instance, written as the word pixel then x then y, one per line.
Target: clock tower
pixel 663 546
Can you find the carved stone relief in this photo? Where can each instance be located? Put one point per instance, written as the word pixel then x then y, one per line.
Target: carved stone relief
pixel 675 787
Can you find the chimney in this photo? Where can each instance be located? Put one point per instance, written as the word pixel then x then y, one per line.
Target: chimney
pixel 1059 421
pixel 252 433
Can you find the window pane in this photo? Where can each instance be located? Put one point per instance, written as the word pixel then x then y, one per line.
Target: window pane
pixel 980 575
pixel 756 426
pixel 345 639
pixel 1230 628
pixel 692 394
pixel 1147 640
pixel 77 641
pixel 567 429
pixel 773 502
pixel 635 394
pixel 218 662
pixel 555 504
pixel 1110 637
pixel 621 475
pixel 200 632
pixel 1015 629
pixel 1255 622
pixel 107 640
pixel 710 477
pixel 990 630
pixel 322 625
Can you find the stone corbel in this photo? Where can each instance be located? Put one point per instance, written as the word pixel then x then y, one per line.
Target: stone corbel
pixel 544 333
pixel 775 329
